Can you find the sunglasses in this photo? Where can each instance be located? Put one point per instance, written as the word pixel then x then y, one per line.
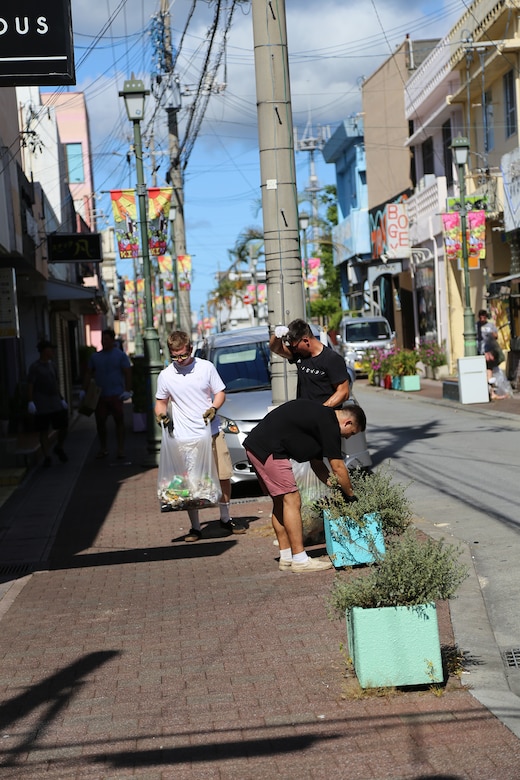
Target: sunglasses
pixel 294 346
pixel 181 357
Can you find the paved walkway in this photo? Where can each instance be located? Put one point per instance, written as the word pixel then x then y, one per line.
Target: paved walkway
pixel 129 653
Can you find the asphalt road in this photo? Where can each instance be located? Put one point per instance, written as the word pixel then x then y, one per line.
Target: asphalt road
pixel 464 474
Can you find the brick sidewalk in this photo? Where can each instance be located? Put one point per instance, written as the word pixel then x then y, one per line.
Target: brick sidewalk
pixel 135 656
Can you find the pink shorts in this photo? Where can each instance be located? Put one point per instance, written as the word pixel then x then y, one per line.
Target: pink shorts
pixel 275 476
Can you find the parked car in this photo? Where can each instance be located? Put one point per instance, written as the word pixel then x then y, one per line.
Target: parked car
pixel 358 335
pixel 242 358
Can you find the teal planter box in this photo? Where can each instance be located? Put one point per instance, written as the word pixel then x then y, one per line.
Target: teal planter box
pixel 394 646
pixel 410 383
pixel 350 545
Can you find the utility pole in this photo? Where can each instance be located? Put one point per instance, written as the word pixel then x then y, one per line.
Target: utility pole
pixel 183 305
pixel 278 182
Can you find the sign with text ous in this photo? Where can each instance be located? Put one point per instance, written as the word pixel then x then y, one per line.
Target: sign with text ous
pixel 36 44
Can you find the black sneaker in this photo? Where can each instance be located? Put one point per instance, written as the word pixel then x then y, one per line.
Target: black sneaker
pixel 194 535
pixel 60 454
pixel 233 527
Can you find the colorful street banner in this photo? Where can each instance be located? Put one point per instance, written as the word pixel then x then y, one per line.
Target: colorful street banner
pixel 125 218
pixel 255 293
pixel 158 210
pixel 184 272
pixel 124 208
pixel 475 238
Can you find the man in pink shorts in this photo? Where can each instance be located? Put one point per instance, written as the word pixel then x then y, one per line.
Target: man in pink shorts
pixel 304 431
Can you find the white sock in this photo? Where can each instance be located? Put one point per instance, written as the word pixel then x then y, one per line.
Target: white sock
pixel 286 555
pixel 193 514
pixel 224 513
pixel 300 557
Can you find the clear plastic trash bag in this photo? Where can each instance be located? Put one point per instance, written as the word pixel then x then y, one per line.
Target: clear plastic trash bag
pixel 188 477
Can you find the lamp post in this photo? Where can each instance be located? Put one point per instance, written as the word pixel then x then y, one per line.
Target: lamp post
pixel 460 147
pixel 303 219
pixel 134 94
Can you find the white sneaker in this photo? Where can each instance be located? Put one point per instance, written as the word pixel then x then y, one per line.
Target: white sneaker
pixel 284 565
pixel 311 564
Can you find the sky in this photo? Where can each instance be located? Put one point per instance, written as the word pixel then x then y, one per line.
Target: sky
pixel 332 45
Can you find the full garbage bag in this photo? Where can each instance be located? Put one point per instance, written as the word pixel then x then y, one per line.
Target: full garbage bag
pixel 188 477
pixel 311 489
pixel 502 385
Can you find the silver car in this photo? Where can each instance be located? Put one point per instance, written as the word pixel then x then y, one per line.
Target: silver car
pixel 242 358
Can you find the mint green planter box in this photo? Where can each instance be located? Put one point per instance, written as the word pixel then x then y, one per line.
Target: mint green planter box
pixel 410 383
pixel 394 646
pixel 350 545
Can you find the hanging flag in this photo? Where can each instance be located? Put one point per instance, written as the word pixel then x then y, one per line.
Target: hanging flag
pixel 184 272
pixel 125 218
pixel 475 238
pixel 158 210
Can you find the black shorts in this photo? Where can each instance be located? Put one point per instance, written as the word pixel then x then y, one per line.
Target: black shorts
pixel 58 420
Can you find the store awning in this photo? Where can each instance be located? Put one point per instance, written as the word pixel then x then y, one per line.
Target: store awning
pixel 65 291
pixel 506 279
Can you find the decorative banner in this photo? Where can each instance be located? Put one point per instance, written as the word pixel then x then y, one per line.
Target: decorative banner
pixel 184 272
pixel 311 271
pixel 166 271
pixel 125 217
pixel 158 211
pixel 475 238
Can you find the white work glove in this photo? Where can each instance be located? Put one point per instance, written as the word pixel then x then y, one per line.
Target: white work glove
pixel 81 396
pixel 280 331
pixel 31 408
pixel 64 404
pixel 126 395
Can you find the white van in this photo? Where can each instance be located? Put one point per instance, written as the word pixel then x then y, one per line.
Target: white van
pixel 358 335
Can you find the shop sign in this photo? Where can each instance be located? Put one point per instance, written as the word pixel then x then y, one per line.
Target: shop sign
pixel 36 44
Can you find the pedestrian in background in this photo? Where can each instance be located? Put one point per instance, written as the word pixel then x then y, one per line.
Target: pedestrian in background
pixel 46 402
pixel 322 372
pixel 304 431
pixel 112 372
pixel 484 328
pixel 196 392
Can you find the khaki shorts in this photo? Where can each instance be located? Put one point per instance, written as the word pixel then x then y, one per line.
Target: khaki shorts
pixel 222 456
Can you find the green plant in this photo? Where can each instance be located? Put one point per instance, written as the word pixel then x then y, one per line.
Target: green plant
pixel 433 354
pixel 376 491
pixel 411 573
pixel 404 362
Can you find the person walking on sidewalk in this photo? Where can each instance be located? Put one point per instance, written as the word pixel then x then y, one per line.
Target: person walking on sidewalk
pixel 322 372
pixel 112 372
pixel 304 431
pixel 196 392
pixel 46 402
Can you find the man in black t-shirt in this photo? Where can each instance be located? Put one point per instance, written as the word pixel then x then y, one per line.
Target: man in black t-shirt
pixel 304 431
pixel 322 373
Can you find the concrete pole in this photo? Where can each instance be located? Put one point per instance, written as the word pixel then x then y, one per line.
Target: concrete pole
pixel 285 296
pixel 183 304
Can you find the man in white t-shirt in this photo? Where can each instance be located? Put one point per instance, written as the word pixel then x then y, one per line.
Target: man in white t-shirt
pixel 196 392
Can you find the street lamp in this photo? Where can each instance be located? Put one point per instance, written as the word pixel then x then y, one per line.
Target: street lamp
pixel 460 148
pixel 134 95
pixel 303 219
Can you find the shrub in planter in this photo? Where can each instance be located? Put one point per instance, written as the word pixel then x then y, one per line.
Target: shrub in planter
pixel 391 617
pixel 355 531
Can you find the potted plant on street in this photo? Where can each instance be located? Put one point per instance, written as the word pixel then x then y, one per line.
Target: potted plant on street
pixel 392 628
pixel 404 370
pixel 433 356
pixel 355 532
